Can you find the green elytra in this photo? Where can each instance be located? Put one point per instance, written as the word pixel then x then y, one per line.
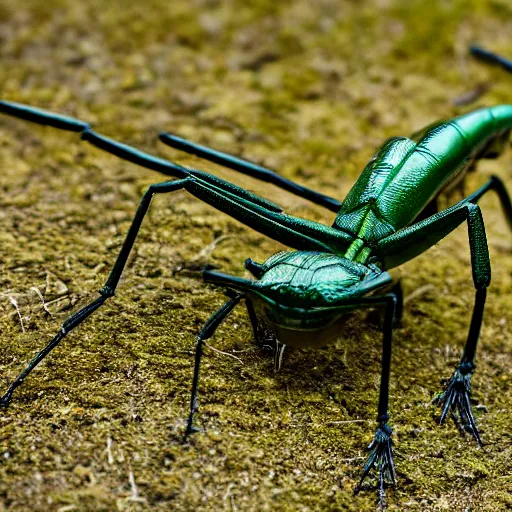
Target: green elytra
pixel 302 297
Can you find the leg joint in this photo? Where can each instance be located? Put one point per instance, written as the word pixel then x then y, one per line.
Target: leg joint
pixel 466 367
pixel 473 208
pixel 168 186
pixel 107 291
pixel 382 420
pixel 496 181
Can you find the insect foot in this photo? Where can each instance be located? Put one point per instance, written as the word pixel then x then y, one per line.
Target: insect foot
pixel 456 398
pixel 191 429
pixel 380 458
pixel 6 400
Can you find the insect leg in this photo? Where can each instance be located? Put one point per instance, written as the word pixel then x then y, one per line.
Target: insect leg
pixel 207 332
pixel 398 292
pixel 380 456
pixel 467 365
pixel 491 58
pixel 377 318
pixel 251 169
pixel 124 151
pixel 47 118
pixel 417 238
pixel 497 185
pixel 108 289
pixel 235 201
pixel 252 210
pixel 254 320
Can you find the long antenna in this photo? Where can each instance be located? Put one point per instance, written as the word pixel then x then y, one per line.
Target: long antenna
pixel 490 57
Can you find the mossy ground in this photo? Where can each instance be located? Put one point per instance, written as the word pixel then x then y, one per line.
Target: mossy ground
pixel 310 89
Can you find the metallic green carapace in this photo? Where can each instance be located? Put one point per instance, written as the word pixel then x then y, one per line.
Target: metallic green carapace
pixel 404 176
pixel 302 297
pixel 304 290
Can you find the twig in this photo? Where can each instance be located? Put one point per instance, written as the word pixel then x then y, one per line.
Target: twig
pixel 223 353
pixel 67 508
pixel 229 496
pixel 39 294
pixel 15 304
pixel 135 497
pixel 110 457
pixel 473 95
pixel 208 250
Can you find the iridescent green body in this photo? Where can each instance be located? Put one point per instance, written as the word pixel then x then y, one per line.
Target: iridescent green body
pixel 404 175
pixel 302 295
pixel 401 179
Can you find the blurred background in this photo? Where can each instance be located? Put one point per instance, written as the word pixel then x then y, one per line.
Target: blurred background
pixel 310 89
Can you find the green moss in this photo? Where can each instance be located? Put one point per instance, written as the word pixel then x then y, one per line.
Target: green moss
pixel 310 89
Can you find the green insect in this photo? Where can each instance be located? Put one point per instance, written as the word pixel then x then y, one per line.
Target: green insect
pixel 302 297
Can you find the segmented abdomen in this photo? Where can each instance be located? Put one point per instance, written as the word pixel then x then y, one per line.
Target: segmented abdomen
pixel 392 191
pixel 440 155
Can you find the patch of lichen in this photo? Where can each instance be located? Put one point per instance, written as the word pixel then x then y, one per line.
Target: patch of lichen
pixel 310 89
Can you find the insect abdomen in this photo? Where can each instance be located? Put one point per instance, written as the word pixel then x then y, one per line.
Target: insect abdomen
pixel 404 176
pixel 441 155
pixel 481 125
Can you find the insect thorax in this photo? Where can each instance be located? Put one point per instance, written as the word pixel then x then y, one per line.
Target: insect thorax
pixel 302 296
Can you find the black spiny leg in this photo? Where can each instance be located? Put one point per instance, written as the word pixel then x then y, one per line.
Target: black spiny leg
pixel 456 397
pixel 381 457
pixel 393 251
pixel 251 169
pixel 108 289
pixel 377 318
pixel 67 326
pixel 263 337
pixel 207 332
pixel 398 292
pixel 254 321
